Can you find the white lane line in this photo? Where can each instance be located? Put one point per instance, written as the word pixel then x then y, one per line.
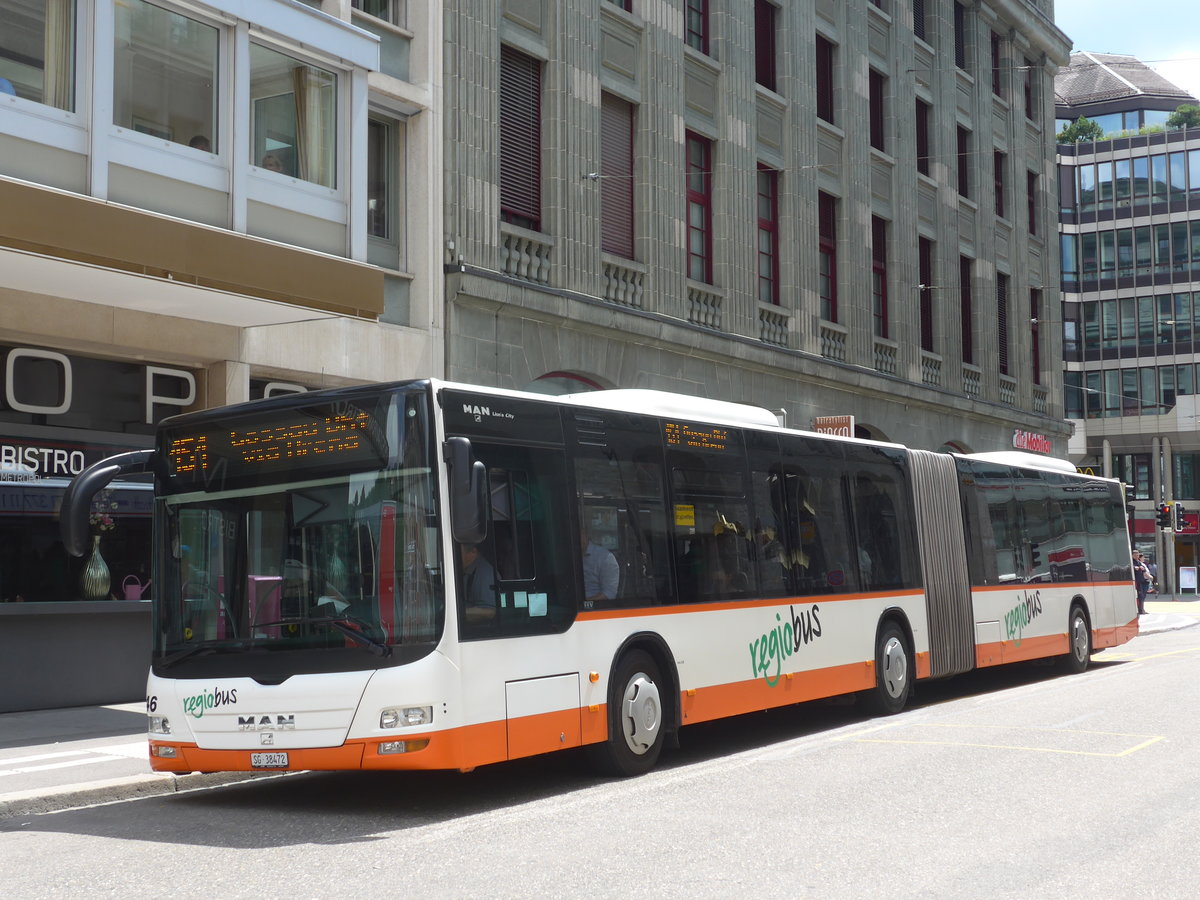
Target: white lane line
pixel 138 750
pixel 41 756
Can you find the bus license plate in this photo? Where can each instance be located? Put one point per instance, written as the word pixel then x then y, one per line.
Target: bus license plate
pixel 269 760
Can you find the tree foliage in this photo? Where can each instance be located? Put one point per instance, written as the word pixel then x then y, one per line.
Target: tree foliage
pixel 1082 129
pixel 1185 116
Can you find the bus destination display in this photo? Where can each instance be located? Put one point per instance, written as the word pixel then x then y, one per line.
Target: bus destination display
pixel 696 437
pixel 290 443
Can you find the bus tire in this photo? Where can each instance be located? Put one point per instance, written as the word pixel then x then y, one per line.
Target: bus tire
pixel 893 672
pixel 635 718
pixel 1079 641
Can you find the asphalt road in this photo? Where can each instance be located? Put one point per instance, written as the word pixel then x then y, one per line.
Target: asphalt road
pixel 1012 783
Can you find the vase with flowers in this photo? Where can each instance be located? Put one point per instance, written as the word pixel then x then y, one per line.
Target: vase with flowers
pixel 96 580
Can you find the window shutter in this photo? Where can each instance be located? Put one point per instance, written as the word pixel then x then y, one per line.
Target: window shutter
pixel 616 170
pixel 520 139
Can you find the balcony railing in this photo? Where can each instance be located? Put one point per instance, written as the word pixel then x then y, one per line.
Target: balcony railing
pixel 885 356
pixel 931 369
pixel 525 254
pixel 1039 399
pixel 773 325
pixel 624 284
pixel 704 307
pixel 972 380
pixel 1008 390
pixel 833 341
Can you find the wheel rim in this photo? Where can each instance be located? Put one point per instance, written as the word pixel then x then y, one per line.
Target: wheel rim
pixel 895 667
pixel 1079 637
pixel 641 713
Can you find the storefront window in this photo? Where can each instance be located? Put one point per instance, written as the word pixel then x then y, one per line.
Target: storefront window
pixel 37 51
pixel 293 112
pixel 34 564
pixel 165 75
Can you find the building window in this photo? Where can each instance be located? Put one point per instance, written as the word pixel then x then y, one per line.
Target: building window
pixel 1002 321
pixel 918 18
pixel 165 76
pixel 827 251
pixel 764 44
pixel 384 223
pixel 877 87
pixel 926 288
pixel 1035 344
pixel 768 235
pixel 879 276
pixel 699 201
pixel 37 52
pixel 824 80
pixel 520 139
pixel 1031 196
pixel 697 25
pixel 965 311
pixel 389 10
pixel 626 5
pixel 999 181
pixel 923 114
pixel 616 176
pixel 293 116
pixel 997 59
pixel 964 161
pixel 960 36
pixel 1030 75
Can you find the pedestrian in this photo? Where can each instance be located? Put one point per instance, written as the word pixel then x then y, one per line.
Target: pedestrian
pixel 1142 580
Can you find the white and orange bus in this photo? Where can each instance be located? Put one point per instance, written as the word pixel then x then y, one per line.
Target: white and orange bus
pixel 640 561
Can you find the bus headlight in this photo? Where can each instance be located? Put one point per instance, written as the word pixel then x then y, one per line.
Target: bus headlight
pixel 160 725
pixel 405 717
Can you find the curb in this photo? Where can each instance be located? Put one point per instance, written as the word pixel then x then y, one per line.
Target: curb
pixel 39 802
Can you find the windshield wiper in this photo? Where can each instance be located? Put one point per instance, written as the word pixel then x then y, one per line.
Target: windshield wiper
pixel 344 624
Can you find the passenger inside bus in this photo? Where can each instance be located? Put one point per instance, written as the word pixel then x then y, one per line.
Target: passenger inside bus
pixel 479 584
pixel 601 571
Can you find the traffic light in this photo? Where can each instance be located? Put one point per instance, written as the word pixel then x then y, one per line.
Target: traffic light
pixel 1164 516
pixel 1179 512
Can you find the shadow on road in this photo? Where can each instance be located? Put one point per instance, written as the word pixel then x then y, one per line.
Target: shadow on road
pixel 332 808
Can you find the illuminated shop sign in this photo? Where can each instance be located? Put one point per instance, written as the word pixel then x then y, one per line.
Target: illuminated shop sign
pixel 1028 440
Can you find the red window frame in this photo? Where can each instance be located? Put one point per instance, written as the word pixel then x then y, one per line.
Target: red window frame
pixel 964 161
pixel 1031 195
pixel 827 252
pixel 879 276
pixel 1035 346
pixel 999 181
pixel 824 79
pixel 1029 92
pixel 1002 321
pixel 965 309
pixel 923 111
pixel 616 176
pixel 925 286
pixel 997 58
pixel 520 139
pixel 699 202
pixel 768 235
pixel 877 92
pixel 764 44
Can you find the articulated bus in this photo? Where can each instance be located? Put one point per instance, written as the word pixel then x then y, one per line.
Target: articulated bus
pixel 427 575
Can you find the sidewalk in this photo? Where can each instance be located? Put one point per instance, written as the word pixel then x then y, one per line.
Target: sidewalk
pixel 55 759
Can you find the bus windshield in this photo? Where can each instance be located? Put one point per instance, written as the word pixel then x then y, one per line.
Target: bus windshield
pixel 340 568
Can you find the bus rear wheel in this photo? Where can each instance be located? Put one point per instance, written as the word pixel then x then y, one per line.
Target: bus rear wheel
pixel 1079 642
pixel 635 718
pixel 893 673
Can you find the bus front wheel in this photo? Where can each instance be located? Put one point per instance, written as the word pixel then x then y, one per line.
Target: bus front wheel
pixel 1079 642
pixel 893 672
pixel 635 718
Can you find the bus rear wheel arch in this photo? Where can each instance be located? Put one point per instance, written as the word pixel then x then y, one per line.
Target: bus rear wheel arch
pixel 639 711
pixel 895 670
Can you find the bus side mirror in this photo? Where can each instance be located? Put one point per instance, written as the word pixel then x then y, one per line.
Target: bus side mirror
pixel 469 495
pixel 77 499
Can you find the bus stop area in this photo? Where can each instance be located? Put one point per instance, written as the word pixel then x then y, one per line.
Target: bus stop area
pixel 55 759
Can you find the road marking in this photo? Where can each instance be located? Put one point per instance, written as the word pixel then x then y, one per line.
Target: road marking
pixel 1125 656
pixel 110 753
pixel 1145 739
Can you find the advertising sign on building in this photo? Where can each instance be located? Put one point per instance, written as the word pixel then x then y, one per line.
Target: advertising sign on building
pixel 1031 441
pixel 843 426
